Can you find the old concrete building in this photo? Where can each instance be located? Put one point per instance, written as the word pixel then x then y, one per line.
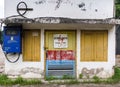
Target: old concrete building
pixel 60 37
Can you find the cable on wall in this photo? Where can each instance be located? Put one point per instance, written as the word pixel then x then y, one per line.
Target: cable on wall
pixel 21 10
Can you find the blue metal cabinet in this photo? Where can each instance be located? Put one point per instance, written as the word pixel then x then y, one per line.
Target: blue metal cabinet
pixel 12 39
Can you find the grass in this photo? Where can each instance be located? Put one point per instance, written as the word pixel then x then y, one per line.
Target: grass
pixel 73 82
pixel 80 76
pixel 67 77
pixel 64 77
pixel 22 81
pixel 49 78
pixel 96 79
pixel 4 80
pixel 116 77
pixel 68 82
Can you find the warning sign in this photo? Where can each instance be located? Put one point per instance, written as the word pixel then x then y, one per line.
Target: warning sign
pixel 60 41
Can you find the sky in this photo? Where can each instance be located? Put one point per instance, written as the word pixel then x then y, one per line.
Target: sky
pixel 1 8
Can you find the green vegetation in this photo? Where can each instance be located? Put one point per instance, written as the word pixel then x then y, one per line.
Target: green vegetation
pixel 117 4
pixel 67 77
pixel 4 80
pixel 80 76
pixel 22 81
pixel 96 79
pixel 116 77
pixel 49 78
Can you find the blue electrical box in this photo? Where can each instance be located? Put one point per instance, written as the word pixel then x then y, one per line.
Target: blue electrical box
pixel 12 39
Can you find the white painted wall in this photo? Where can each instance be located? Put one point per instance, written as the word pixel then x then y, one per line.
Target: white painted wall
pixel 92 9
pixel 108 66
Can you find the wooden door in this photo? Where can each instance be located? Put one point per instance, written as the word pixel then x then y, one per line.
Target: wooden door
pixel 31 45
pixel 94 45
pixel 60 50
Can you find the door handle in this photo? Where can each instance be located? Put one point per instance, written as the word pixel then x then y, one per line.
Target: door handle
pixel 45 48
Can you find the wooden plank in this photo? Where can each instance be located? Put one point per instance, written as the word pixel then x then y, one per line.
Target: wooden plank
pixel 106 46
pixel 87 46
pixel 99 50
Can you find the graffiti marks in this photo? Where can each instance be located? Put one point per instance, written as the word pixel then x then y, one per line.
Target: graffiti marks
pixel 91 72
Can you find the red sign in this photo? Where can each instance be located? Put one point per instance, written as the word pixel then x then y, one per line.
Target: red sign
pixel 58 57
pixel 61 55
pixel 67 55
pixel 51 55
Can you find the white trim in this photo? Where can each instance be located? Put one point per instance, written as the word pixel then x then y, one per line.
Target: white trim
pixel 78 51
pixel 42 49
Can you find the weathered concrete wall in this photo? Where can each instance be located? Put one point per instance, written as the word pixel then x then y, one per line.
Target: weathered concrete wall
pixel 78 9
pixel 2 60
pixel 58 20
pixel 88 69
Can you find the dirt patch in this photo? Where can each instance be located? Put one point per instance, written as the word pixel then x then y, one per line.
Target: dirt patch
pixel 75 85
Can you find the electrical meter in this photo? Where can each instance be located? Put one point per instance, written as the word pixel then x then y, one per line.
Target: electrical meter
pixel 12 39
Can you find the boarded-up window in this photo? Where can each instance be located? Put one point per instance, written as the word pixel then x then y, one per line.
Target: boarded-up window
pixel 31 45
pixel 94 45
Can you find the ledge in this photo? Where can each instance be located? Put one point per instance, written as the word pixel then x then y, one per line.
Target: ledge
pixel 57 20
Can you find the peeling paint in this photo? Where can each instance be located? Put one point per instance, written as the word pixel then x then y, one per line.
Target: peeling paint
pixel 81 5
pixel 96 10
pixel 100 72
pixel 27 72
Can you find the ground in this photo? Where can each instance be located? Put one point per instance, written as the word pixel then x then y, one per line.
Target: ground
pixel 77 85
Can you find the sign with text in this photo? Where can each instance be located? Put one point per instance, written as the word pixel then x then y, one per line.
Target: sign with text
pixel 60 40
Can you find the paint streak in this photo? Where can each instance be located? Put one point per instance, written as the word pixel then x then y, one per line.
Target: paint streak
pixel 58 4
pixel 81 5
pixel 40 2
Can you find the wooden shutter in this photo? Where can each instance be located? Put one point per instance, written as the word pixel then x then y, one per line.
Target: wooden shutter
pixel 31 45
pixel 94 46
